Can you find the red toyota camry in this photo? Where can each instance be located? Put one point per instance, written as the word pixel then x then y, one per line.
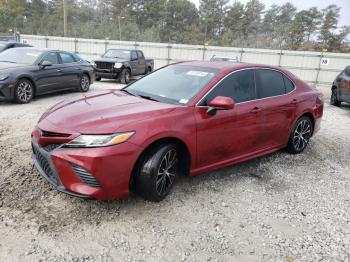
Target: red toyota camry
pixel 187 118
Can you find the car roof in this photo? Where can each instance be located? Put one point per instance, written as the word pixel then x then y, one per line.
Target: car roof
pixel 40 49
pixel 226 65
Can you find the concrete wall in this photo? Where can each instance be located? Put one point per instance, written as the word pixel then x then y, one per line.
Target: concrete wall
pixel 306 65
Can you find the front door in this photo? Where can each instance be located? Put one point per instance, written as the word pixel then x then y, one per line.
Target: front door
pixel 230 134
pixel 48 78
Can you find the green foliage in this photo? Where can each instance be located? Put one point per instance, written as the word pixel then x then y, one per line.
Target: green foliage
pixel 216 22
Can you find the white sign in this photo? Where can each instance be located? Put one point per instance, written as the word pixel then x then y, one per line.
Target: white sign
pixel 325 61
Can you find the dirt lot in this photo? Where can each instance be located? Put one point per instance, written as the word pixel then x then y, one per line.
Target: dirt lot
pixel 276 208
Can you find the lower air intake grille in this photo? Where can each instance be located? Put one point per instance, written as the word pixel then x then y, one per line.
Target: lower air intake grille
pixel 45 166
pixel 85 176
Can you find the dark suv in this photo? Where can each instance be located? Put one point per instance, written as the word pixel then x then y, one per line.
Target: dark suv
pixel 341 88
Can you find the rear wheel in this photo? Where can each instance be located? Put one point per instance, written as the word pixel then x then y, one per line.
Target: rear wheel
pixel 300 135
pixel 148 70
pixel 125 76
pixel 24 91
pixel 84 83
pixel 334 97
pixel 156 172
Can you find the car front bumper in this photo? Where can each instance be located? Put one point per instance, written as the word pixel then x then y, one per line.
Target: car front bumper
pixel 98 173
pixel 106 73
pixel 7 91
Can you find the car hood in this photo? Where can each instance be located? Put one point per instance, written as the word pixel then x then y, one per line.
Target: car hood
pixel 111 60
pixel 104 112
pixel 6 66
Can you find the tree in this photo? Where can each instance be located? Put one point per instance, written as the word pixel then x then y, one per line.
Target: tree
pixel 330 23
pixel 252 21
pixel 180 16
pixel 233 25
pixel 212 14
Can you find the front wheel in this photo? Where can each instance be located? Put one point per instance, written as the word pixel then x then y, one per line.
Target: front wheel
pixel 24 91
pixel 125 76
pixel 334 98
pixel 84 83
pixel 300 136
pixel 156 172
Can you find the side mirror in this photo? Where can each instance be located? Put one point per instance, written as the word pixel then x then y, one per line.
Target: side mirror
pixel 220 103
pixel 45 63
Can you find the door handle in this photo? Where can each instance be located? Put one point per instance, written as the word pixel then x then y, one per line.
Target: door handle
pixel 256 110
pixel 294 102
pixel 58 70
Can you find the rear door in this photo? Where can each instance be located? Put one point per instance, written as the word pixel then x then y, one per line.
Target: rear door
pixel 48 78
pixel 134 63
pixel 142 63
pixel 274 108
pixel 71 70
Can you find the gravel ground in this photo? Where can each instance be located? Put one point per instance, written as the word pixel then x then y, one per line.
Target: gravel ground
pixel 279 207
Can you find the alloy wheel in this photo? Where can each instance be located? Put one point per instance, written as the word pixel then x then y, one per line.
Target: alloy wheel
pixel 127 77
pixel 85 83
pixel 24 91
pixel 167 172
pixel 302 135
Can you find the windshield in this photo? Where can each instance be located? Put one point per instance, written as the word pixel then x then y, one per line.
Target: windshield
pixel 114 53
pixel 176 84
pixel 20 56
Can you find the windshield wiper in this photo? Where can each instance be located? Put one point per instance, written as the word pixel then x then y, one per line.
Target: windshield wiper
pixel 126 91
pixel 148 98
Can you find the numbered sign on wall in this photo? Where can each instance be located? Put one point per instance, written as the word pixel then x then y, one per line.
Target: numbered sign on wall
pixel 325 61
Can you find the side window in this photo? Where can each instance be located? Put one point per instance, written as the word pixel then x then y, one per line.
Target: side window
pixel 67 58
pixel 269 83
pixel 289 85
pixel 239 86
pixel 133 55
pixel 51 57
pixel 140 55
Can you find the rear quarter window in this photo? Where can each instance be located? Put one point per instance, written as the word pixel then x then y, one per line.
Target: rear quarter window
pixel 289 85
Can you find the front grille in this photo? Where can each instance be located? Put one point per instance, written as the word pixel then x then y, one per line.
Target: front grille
pixel 104 65
pixel 45 166
pixel 85 176
pixel 53 134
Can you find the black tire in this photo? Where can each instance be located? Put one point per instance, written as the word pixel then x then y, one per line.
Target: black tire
pixel 156 172
pixel 84 83
pixel 24 91
pixel 148 70
pixel 98 78
pixel 334 98
pixel 125 76
pixel 300 135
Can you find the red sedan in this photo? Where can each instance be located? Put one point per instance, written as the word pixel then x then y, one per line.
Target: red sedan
pixel 187 118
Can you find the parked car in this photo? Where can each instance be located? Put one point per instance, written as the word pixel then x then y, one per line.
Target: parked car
pixel 341 88
pixel 186 118
pixel 216 58
pixel 122 65
pixel 7 45
pixel 27 72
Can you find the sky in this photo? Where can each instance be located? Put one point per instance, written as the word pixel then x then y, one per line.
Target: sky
pixel 306 4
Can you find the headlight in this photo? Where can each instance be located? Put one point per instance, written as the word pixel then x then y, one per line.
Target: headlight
pixel 99 140
pixel 118 65
pixel 93 63
pixel 3 77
